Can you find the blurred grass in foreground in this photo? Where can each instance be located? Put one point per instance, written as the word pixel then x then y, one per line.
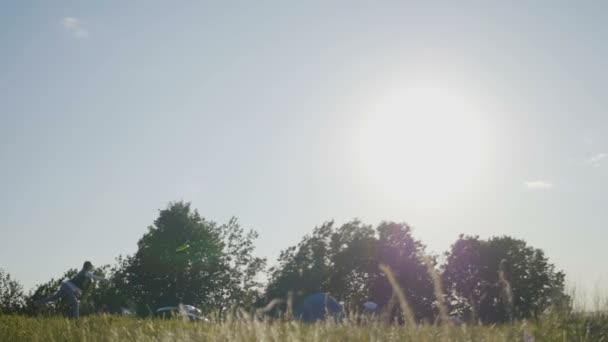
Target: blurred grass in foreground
pixel 564 325
pixel 573 327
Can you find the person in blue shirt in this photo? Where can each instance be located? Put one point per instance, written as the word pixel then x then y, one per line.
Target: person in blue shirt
pixel 71 288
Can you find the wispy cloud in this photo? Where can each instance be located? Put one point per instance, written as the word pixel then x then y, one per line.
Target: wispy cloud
pixel 75 28
pixel 597 159
pixel 539 184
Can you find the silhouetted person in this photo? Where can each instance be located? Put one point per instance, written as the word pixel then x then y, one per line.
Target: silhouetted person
pixel 69 289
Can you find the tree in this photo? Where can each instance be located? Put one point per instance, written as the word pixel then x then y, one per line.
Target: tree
pixel 403 254
pixel 113 293
pixel 340 261
pixel 241 267
pixel 303 269
pixel 184 258
pixel 354 262
pixel 11 294
pixel 501 279
pixel 345 262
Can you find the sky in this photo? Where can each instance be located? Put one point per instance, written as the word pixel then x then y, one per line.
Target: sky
pixel 487 119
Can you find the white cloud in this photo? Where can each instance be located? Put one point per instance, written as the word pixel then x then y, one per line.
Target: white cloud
pixel 74 26
pixel 538 184
pixel 597 159
pixel 588 141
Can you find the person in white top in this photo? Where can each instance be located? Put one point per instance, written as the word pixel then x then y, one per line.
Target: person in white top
pixel 69 289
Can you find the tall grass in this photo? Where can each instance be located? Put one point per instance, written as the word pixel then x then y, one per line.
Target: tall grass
pixel 576 327
pixel 406 309
pixel 558 325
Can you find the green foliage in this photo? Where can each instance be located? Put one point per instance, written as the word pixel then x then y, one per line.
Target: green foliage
pixel 216 271
pixel 345 262
pixel 183 258
pixel 334 260
pixel 404 256
pixel 354 265
pixel 241 267
pixel 112 294
pixel 471 277
pixel 302 269
pixel 11 294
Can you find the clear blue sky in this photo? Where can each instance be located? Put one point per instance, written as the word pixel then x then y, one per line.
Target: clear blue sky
pixel 485 119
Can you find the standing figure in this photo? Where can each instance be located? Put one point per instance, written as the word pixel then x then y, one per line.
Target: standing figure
pixel 69 289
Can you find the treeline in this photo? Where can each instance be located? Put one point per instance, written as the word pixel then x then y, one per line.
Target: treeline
pixel 183 258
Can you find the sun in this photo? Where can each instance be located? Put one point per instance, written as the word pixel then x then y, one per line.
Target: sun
pixel 423 141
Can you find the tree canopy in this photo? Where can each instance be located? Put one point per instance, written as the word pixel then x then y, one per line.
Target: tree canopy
pixel 11 294
pixel 472 276
pixel 184 258
pixel 345 261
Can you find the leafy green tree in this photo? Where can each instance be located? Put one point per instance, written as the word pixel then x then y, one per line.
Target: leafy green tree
pixel 345 262
pixel 400 251
pixel 301 269
pixel 184 258
pixel 11 294
pixel 354 262
pixel 479 287
pixel 336 260
pixel 241 267
pixel 113 293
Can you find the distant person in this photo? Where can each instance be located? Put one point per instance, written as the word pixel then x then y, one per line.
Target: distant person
pixel 317 307
pixel 69 289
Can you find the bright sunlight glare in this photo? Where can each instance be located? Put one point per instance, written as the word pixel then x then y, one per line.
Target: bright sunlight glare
pixel 424 142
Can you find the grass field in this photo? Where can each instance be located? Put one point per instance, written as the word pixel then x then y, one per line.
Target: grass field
pixel 110 328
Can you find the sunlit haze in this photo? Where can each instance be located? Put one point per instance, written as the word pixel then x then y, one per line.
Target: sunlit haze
pixel 484 120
